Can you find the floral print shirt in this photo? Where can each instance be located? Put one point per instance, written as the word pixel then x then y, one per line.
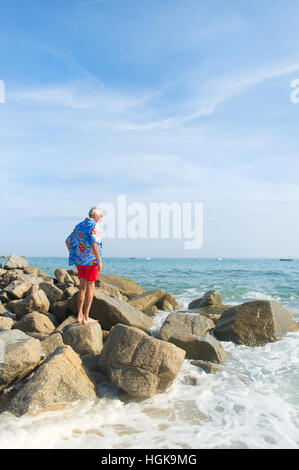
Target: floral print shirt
pixel 81 252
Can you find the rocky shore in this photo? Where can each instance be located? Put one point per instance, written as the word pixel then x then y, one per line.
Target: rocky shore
pixel 47 359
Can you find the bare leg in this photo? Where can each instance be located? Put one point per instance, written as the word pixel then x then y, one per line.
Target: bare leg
pixel 88 301
pixel 81 299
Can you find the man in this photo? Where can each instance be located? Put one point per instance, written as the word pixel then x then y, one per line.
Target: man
pixel 85 251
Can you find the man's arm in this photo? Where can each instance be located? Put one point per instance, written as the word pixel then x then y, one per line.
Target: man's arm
pixel 96 250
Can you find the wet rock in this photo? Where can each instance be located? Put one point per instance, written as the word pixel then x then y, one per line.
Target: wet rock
pixel 139 364
pixel 61 378
pixel 208 367
pixel 151 311
pixel 84 339
pixel 255 323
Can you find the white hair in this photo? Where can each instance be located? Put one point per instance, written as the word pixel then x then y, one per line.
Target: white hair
pixel 95 210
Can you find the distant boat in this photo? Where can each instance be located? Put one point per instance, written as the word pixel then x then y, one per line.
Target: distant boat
pixel 286 259
pixel 148 258
pixel 219 259
pixel 132 258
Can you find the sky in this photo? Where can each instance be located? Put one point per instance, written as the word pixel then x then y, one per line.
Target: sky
pixel 161 101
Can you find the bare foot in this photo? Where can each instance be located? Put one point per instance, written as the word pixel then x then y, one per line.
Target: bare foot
pixel 80 320
pixel 89 320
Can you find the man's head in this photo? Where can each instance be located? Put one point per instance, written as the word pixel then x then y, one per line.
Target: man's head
pixel 96 213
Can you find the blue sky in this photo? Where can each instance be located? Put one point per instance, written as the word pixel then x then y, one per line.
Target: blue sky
pixel 161 100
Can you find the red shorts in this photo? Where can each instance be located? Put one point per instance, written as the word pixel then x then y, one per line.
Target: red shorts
pixel 89 273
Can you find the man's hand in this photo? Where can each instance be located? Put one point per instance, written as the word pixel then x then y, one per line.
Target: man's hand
pixel 97 253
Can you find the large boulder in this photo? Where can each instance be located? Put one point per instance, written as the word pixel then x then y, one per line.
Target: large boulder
pixel 63 277
pixel 51 343
pixel 35 322
pixel 84 339
pixel 16 262
pixel 139 364
pixel 178 323
pixel 255 323
pixel 110 311
pixel 204 347
pixel 211 297
pixel 61 378
pixel 147 299
pixel 19 355
pixel 125 286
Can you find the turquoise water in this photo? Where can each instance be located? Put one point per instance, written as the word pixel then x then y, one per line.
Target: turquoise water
pixel 253 402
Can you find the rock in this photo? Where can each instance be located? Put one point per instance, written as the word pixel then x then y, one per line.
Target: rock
pixel 2 308
pixel 208 367
pixel 6 323
pixel 17 289
pixel 67 322
pixel 52 292
pixel 35 321
pixel 204 347
pixel 61 378
pixel 31 271
pixel 109 290
pixel 255 323
pixel 21 355
pixel 63 276
pixel 35 334
pixel 4 297
pixel 59 309
pixel 84 339
pixel 51 343
pixel 76 280
pixel 15 261
pixel 211 297
pixel 37 301
pixel 110 311
pixel 70 291
pixel 2 271
pixel 11 305
pixel 53 319
pixel 151 311
pixel 168 303
pixel 125 286
pixel 180 323
pixel 146 299
pixel 139 364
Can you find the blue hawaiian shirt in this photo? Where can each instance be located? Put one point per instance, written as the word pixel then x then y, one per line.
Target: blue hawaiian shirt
pixel 81 252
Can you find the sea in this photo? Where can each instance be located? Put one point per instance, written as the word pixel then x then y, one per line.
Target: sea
pixel 252 402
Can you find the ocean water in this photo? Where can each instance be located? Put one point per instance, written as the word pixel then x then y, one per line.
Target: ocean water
pixel 252 402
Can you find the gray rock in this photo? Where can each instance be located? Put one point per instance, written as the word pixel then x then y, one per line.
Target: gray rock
pixel 36 301
pixel 63 276
pixel 208 367
pixel 84 339
pixel 61 378
pixel 16 262
pixel 168 303
pixel 181 323
pixel 255 323
pixel 59 309
pixel 67 322
pixel 139 364
pixel 110 311
pixel 17 289
pixel 20 355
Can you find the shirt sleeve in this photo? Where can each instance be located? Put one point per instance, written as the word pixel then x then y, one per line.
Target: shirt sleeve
pixel 92 235
pixel 69 238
